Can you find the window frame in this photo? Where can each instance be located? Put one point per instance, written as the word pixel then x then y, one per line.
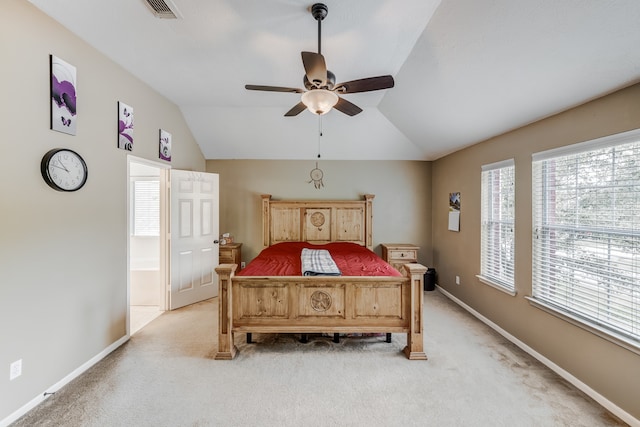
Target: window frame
pixel 495 218
pixel 603 323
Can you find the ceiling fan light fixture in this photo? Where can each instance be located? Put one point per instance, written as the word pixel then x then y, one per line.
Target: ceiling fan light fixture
pixel 322 92
pixel 319 101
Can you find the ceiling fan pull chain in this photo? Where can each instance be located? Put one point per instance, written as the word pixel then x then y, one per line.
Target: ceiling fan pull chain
pixel 316 173
pixel 319 133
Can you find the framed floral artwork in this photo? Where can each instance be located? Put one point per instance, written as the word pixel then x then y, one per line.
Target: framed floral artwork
pixel 125 126
pixel 63 95
pixel 165 145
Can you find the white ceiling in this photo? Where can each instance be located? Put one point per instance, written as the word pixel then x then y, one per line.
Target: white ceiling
pixel 465 70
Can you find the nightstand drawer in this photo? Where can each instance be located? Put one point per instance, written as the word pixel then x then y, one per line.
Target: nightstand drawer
pixel 405 254
pixel 226 259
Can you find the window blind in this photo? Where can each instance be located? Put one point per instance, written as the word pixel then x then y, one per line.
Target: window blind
pixel 498 220
pixel 586 242
pixel 146 208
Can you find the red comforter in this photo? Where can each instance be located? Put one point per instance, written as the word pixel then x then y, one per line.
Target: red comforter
pixel 283 259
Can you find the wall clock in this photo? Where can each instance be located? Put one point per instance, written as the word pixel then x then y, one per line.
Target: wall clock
pixel 63 169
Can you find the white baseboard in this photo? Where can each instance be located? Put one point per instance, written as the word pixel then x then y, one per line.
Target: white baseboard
pixel 66 380
pixel 610 406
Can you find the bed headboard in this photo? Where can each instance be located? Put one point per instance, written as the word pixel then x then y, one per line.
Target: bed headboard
pixel 320 221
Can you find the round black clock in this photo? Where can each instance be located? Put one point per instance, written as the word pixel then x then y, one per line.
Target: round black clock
pixel 64 169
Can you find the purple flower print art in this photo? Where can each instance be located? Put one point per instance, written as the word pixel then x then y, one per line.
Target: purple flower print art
pixel 165 145
pixel 125 126
pixel 63 96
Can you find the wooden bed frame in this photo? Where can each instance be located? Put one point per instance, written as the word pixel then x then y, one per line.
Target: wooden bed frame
pixel 319 304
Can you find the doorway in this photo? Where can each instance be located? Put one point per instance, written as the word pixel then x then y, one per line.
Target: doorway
pixel 147 246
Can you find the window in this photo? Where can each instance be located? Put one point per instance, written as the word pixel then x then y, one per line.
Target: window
pixel 586 242
pixel 146 207
pixel 497 216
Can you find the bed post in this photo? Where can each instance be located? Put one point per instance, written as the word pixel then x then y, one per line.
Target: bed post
pixel 226 347
pixel 266 230
pixel 368 220
pixel 415 337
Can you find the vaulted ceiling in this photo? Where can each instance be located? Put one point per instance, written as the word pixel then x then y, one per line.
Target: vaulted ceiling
pixel 464 70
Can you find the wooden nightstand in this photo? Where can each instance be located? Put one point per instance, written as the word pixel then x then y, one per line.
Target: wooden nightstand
pixel 398 254
pixel 231 253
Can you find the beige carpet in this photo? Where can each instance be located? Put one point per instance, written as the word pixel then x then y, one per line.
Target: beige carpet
pixel 165 376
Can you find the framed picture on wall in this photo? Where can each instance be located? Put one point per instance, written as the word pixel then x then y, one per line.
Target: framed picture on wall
pixel 165 145
pixel 125 126
pixel 63 95
pixel 454 212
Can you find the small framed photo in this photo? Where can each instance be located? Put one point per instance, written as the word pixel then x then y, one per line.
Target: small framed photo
pixel 454 211
pixel 165 145
pixel 63 95
pixel 125 126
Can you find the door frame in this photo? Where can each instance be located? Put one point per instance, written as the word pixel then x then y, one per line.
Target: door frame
pixel 163 286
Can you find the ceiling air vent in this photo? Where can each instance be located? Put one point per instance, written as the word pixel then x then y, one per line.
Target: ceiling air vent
pixel 163 9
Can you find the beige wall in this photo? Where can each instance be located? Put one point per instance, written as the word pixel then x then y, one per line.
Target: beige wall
pixel 401 208
pixel 63 274
pixel 607 368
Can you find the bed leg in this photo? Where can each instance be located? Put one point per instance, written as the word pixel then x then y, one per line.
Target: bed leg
pixel 415 339
pixel 249 338
pixel 226 347
pixel 336 338
pixel 304 338
pixel 388 337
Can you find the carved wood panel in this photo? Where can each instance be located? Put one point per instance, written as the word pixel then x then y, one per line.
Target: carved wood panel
pixel 378 301
pixel 321 301
pixel 285 225
pixel 268 301
pixel 317 225
pixel 349 225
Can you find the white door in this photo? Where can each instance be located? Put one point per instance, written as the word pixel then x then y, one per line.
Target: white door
pixel 194 237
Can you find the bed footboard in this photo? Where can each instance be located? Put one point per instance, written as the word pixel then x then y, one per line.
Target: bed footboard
pixel 307 304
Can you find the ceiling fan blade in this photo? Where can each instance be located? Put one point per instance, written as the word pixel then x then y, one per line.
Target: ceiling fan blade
pixel 274 88
pixel 297 109
pixel 315 68
pixel 349 108
pixel 365 85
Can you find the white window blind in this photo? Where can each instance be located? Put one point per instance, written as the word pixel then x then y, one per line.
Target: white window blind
pixel 586 242
pixel 146 208
pixel 498 220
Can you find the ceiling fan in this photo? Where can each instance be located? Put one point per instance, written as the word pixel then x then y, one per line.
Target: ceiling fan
pixel 322 92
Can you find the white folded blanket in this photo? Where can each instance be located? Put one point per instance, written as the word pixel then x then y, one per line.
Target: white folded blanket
pixel 318 262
